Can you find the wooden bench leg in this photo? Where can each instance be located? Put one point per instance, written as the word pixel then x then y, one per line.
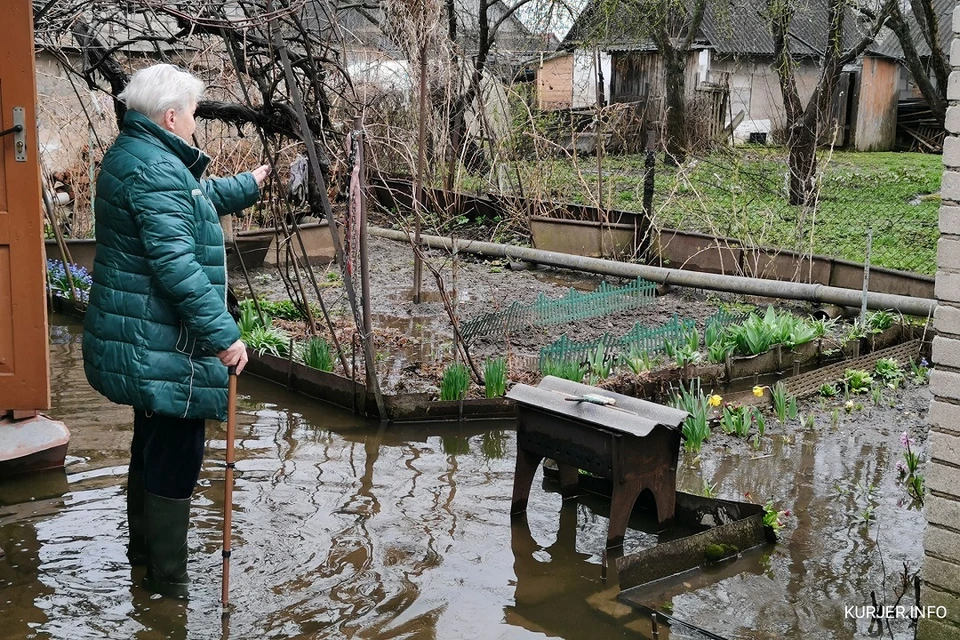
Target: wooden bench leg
pixel 527 464
pixel 569 481
pixel 621 505
pixel 567 531
pixel 666 498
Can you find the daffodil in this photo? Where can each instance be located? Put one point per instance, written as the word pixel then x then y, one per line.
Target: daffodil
pixel 715 400
pixel 758 391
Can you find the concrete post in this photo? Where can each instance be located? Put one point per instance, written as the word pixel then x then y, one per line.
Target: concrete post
pixel 941 563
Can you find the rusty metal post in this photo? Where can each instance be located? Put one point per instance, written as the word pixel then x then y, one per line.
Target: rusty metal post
pixel 364 257
pixel 866 278
pixel 648 175
pixel 419 198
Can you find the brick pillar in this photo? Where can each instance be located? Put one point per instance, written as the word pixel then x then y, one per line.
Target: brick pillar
pixel 941 563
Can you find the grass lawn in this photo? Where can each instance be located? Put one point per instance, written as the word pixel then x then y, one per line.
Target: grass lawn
pixel 741 193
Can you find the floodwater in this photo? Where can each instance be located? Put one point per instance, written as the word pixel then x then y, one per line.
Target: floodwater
pixel 343 529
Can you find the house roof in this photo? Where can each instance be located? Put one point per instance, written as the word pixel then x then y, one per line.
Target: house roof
pixel 113 27
pixel 731 27
pixel 513 35
pixel 888 45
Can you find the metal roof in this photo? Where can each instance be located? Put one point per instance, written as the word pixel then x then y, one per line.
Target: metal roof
pixel 731 27
pixel 887 44
pixel 627 414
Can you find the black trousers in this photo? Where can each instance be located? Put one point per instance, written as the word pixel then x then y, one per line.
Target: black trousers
pixel 168 452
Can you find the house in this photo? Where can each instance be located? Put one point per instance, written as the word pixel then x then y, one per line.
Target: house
pixel 570 79
pixel 915 127
pixel 380 70
pixel 365 40
pixel 730 71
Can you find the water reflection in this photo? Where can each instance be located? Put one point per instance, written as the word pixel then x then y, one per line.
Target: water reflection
pixel 343 529
pixel 536 567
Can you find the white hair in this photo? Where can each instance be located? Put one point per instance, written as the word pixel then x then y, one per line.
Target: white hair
pixel 155 89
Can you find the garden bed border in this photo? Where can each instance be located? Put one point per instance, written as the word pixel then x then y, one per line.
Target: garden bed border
pixel 618 234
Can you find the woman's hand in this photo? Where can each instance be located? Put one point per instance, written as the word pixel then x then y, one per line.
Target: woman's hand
pixel 234 355
pixel 260 174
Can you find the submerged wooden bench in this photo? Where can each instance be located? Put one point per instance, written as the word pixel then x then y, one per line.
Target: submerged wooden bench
pixel 632 442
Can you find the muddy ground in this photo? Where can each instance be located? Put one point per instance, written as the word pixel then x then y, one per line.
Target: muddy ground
pixel 415 341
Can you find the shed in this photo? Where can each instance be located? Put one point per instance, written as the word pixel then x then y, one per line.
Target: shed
pixel 731 68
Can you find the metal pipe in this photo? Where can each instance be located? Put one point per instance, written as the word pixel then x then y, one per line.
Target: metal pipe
pixel 819 293
pixel 419 193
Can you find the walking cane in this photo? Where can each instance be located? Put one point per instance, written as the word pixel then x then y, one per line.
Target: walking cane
pixel 228 484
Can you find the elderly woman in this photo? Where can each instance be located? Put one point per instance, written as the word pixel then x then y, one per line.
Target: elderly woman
pixel 157 334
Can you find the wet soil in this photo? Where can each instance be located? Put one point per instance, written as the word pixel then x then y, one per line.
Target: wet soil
pixel 414 342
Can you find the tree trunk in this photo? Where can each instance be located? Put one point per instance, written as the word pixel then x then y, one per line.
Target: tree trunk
pixel 676 121
pixel 936 96
pixel 802 161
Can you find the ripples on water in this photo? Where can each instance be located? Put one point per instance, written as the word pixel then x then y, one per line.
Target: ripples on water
pixel 341 529
pixel 344 530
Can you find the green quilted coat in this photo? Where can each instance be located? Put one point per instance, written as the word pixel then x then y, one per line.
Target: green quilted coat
pixel 157 314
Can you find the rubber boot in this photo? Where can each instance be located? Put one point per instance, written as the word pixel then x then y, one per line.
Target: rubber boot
pixel 137 547
pixel 167 521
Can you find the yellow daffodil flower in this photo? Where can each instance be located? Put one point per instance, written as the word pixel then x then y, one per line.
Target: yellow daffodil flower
pixel 758 391
pixel 715 400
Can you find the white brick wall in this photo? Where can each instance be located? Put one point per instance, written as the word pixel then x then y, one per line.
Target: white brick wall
pixel 941 566
pixel 953 117
pixel 950 217
pixel 950 186
pixel 948 253
pixel 946 350
pixel 948 286
pixel 941 415
pixel 944 383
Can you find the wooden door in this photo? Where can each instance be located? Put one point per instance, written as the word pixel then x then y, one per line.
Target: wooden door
pixel 24 367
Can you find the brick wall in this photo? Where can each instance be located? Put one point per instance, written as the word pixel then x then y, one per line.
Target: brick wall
pixel 941 565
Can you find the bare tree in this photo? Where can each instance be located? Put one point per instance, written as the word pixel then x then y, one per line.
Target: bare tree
pixel 805 123
pixel 292 102
pixel 492 15
pixel 674 28
pixel 459 53
pixel 923 24
pixel 240 35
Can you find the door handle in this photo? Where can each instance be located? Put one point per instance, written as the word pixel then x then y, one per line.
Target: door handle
pixel 19 135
